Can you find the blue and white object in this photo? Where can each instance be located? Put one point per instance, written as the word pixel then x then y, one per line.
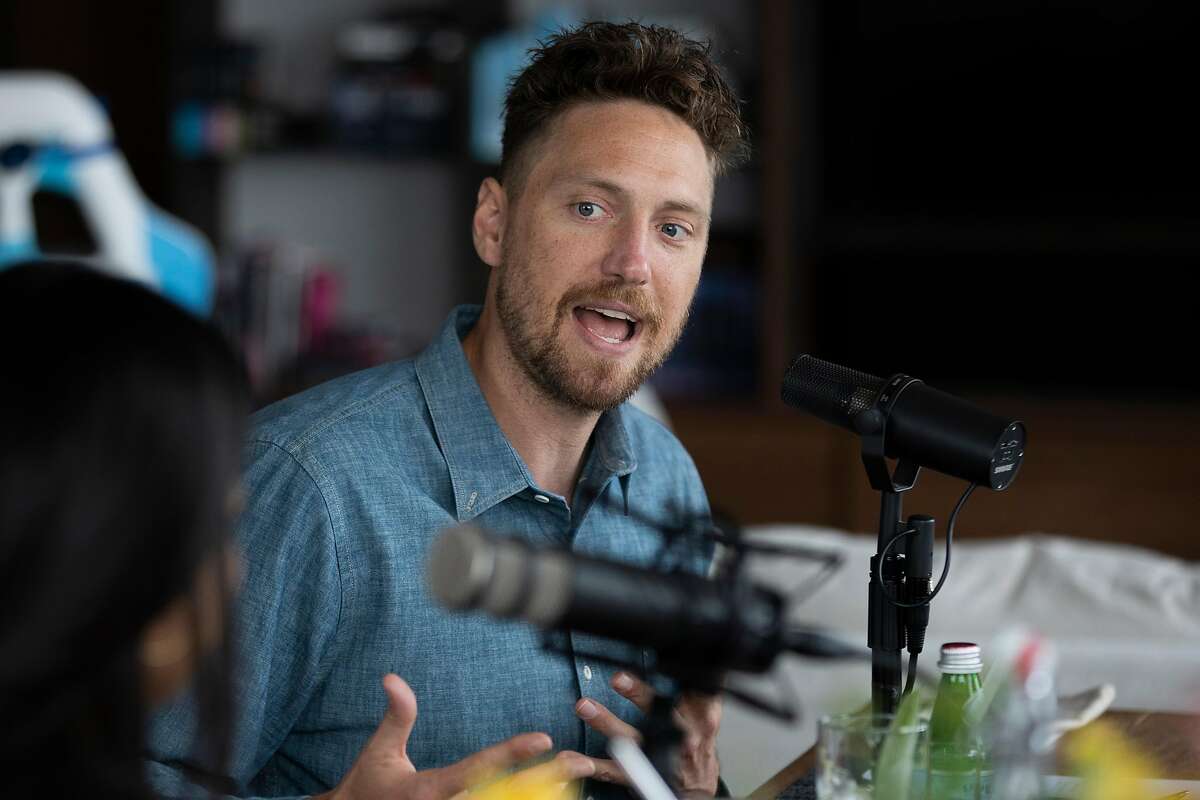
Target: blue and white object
pixel 496 60
pixel 55 136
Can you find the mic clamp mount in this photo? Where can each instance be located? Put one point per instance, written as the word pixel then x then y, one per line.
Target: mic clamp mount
pixel 871 424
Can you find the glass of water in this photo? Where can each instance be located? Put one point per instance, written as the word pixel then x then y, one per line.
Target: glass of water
pixel 871 757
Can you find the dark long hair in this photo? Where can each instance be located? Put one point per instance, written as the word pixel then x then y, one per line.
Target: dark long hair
pixel 120 423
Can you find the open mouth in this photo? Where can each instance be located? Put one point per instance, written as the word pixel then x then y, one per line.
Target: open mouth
pixel 610 325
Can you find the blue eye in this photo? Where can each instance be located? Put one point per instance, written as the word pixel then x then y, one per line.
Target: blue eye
pixel 670 229
pixel 585 209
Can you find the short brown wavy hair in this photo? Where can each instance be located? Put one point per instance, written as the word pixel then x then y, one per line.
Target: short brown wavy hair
pixel 611 61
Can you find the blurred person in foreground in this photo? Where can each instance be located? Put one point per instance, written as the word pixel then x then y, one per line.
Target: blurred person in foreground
pixel 514 419
pixel 121 419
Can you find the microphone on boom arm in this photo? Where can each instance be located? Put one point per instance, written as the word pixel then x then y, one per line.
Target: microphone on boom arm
pixel 686 619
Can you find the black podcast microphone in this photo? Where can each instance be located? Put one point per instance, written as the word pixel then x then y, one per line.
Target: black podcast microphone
pixel 684 618
pixel 922 425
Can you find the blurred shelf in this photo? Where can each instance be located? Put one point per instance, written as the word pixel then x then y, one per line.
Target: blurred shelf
pixel 331 155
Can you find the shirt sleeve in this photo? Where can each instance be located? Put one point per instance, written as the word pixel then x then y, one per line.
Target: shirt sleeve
pixel 286 623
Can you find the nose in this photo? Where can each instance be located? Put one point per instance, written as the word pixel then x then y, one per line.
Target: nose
pixel 628 257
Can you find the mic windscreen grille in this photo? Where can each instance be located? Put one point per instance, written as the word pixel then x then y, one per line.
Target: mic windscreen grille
pixel 833 393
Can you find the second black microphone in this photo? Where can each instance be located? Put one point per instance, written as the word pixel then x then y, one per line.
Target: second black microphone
pixel 923 425
pixel 719 625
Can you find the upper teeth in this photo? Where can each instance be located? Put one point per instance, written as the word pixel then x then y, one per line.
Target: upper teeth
pixel 608 312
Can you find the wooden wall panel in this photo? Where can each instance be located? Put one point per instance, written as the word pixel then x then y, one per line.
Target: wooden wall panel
pixel 1125 473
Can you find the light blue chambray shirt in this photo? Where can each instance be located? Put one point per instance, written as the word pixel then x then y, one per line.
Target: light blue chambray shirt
pixel 348 484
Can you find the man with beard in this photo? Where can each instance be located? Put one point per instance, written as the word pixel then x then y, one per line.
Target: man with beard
pixel 514 420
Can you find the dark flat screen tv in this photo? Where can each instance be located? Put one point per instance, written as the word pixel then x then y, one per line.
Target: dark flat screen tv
pixel 1009 193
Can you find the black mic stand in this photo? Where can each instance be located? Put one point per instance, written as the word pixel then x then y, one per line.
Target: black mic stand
pixel 887 623
pixel 661 734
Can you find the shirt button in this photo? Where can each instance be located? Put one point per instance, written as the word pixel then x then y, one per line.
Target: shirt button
pixel 587 672
pixel 541 498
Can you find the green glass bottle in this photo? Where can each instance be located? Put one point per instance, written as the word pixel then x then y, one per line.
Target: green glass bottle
pixel 958 766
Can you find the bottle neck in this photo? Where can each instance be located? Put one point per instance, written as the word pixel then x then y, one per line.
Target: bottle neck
pixel 970 680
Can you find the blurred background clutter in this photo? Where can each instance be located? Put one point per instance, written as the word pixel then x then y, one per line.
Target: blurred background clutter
pixel 331 153
pixel 997 197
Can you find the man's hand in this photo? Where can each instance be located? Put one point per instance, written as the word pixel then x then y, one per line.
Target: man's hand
pixel 383 769
pixel 698 716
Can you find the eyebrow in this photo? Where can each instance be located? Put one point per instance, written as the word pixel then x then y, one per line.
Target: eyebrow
pixel 613 188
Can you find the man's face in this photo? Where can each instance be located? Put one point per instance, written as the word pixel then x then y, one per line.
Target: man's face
pixel 602 250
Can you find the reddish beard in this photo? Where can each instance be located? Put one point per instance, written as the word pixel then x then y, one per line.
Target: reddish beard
pixel 591 384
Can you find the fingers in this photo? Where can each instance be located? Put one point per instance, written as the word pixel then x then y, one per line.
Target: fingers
pixel 603 720
pixel 699 714
pixel 609 771
pixel 633 689
pixel 699 717
pixel 397 723
pixel 488 763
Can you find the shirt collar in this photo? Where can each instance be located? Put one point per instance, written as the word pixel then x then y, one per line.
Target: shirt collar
pixel 484 467
pixel 611 448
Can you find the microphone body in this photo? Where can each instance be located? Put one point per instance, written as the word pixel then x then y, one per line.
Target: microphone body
pixel 922 425
pixel 697 623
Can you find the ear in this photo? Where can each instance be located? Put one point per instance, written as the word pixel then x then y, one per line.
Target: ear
pixel 487 226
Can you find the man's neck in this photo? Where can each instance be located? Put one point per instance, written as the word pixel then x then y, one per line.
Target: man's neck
pixel 550 438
